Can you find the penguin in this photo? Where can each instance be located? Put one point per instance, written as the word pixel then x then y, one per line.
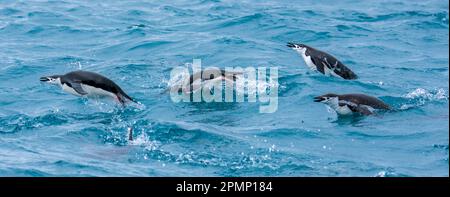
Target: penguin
pixel 348 104
pixel 196 81
pixel 323 62
pixel 88 84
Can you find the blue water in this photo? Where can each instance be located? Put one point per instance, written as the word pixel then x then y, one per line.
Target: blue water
pixel 399 49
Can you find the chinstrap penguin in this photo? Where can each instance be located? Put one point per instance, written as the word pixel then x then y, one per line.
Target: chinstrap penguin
pixel 198 80
pixel 88 84
pixel 322 62
pixel 348 104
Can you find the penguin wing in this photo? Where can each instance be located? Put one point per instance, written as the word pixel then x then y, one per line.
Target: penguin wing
pixel 331 64
pixel 318 62
pixel 337 67
pixel 77 87
pixel 363 109
pixel 343 71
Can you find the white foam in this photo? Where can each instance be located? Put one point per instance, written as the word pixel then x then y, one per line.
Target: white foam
pixel 437 94
pixel 421 96
pixel 381 174
pixel 144 141
pixel 255 86
pixel 419 92
pixel 243 87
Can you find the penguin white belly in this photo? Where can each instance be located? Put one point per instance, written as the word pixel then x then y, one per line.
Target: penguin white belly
pixel 90 90
pixel 309 62
pixel 96 92
pixel 343 110
pixel 70 90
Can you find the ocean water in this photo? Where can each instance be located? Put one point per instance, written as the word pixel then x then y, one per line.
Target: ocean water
pixel 398 48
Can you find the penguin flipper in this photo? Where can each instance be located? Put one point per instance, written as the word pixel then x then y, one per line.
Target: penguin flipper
pixel 363 110
pixel 317 61
pixel 77 87
pixel 331 66
pixel 327 64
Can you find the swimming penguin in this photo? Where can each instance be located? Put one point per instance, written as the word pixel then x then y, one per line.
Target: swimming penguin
pixel 89 84
pixel 201 79
pixel 348 104
pixel 323 62
pixel 205 79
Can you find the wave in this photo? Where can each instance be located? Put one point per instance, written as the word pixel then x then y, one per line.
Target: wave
pixel 179 12
pixel 44 14
pixel 390 172
pixel 240 21
pixel 148 45
pixel 233 162
pixel 230 40
pixel 9 11
pixel 417 98
pixel 53 30
pixel 420 97
pixel 280 132
pixel 143 140
pixel 20 122
pixel 356 16
pixel 368 136
pixel 351 28
pixel 136 13
pixel 23 172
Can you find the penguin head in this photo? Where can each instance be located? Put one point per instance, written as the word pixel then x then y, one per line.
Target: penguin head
pixel 326 98
pixel 54 79
pixel 297 46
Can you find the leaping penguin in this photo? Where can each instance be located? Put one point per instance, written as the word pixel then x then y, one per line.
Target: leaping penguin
pixel 89 84
pixel 323 62
pixel 348 104
pixel 197 80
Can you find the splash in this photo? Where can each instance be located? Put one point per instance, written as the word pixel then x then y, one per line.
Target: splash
pixel 144 141
pixel 255 86
pixel 437 94
pixel 243 87
pixel 421 96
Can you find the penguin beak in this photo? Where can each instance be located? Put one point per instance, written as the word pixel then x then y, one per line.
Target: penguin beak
pixel 319 99
pixel 291 45
pixel 44 79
